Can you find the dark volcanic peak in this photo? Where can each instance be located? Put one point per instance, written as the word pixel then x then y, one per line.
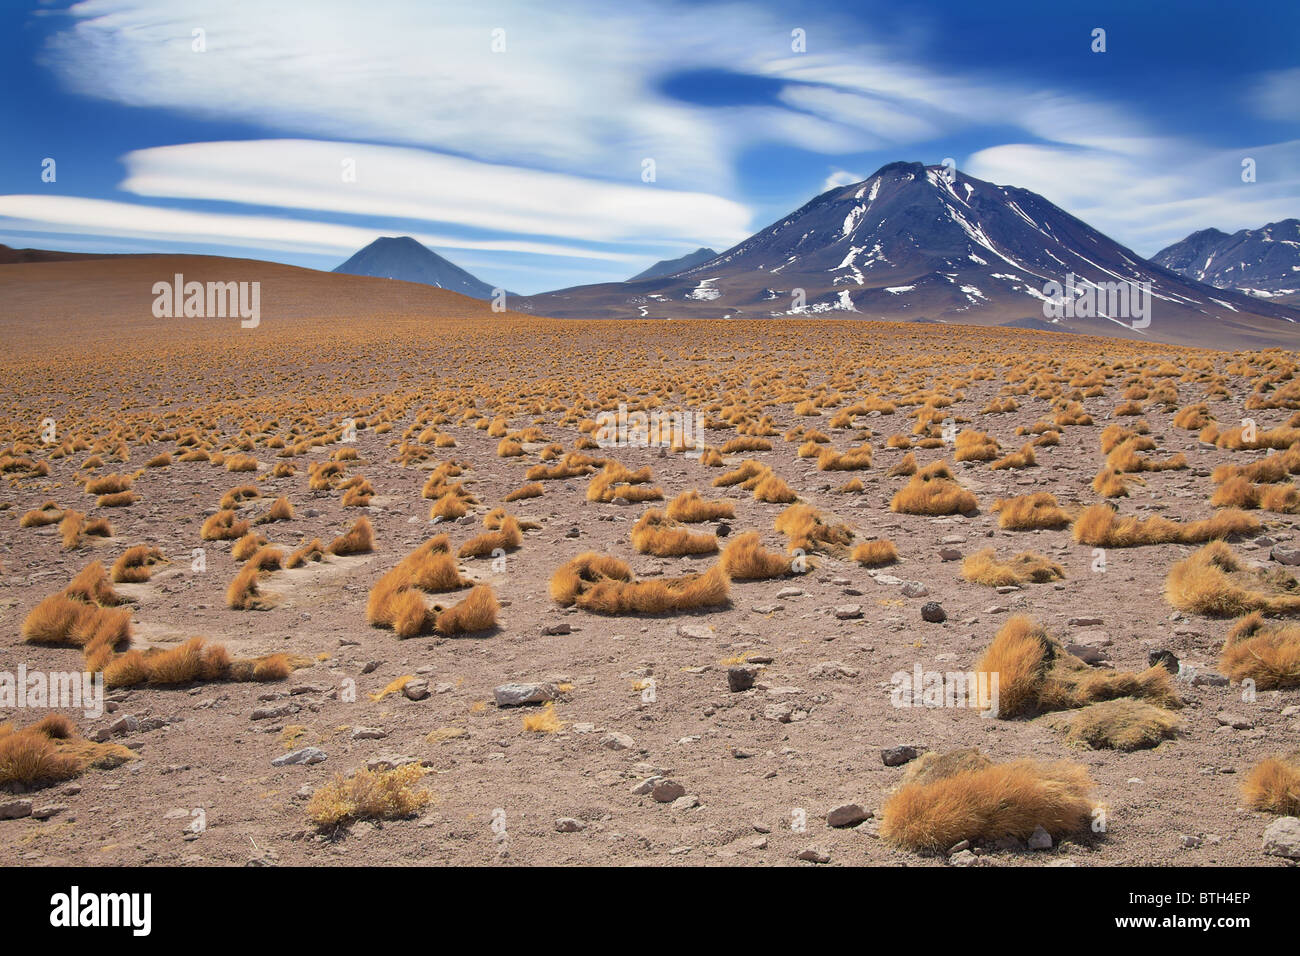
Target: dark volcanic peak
pixel 667 267
pixel 1264 262
pixel 926 242
pixel 401 257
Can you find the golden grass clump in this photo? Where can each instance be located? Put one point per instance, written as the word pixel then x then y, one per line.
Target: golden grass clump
pixel 48 513
pixel 1274 785
pixel 1266 652
pixel 854 459
pixel 933 491
pixel 1036 674
pixel 808 530
pixel 580 573
pixel 690 508
pixel 313 550
pixel 50 751
pixel 136 564
pixel 244 594
pixel 1120 724
pixel 508 537
pixel 875 553
pixel 476 612
pixel 360 539
pixel 247 546
pixel 983 567
pixel 281 510
pixel 975 446
pixel 1238 492
pixel 745 559
pixel 605 585
pixel 368 795
pixel 986 803
pixel 905 468
pixel 1016 459
pixel 1213 581
pixel 92 586
pixel 238 496
pixel 223 526
pixel 531 490
pixel 654 533
pixel 109 484
pixel 1030 512
pixel 1100 525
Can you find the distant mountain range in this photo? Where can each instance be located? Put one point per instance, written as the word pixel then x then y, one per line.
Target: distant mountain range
pixel 667 267
pixel 925 243
pixel 406 259
pixel 1263 262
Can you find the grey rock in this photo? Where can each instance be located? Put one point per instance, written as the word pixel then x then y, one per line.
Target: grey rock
pixel 1282 838
pixel 307 755
pixel 933 612
pixel 847 815
pixel 897 756
pixel 15 809
pixel 1040 839
pixel 517 695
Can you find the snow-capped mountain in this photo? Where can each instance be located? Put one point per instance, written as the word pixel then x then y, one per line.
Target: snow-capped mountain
pixel 404 258
pixel 1264 262
pixel 930 243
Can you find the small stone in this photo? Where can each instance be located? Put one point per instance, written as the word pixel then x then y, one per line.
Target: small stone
pixel 813 855
pixel 666 791
pixel 368 733
pixel 563 627
pixel 1284 554
pixel 1083 621
pixel 698 632
pixel 1282 838
pixel 933 612
pixel 49 810
pixel 1166 659
pixel 1191 842
pixel 847 815
pixel 914 589
pixel 897 756
pixel 15 809
pixel 958 847
pixel 848 612
pixel 1040 839
pixel 1235 721
pixel 617 741
pixel 741 677
pixel 517 695
pixel 949 554
pixel 569 825
pixel 689 802
pixel 307 755
pixel 964 858
pixel 416 689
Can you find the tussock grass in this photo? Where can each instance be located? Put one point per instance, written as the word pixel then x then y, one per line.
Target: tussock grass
pixel 532 490
pixel 50 751
pixel 508 537
pixel 476 612
pixel 1214 582
pixel 933 491
pixel 986 803
pixel 1237 492
pixel 48 513
pixel 983 567
pixel 808 530
pixel 690 508
pixel 1273 785
pixel 875 553
pixel 1120 724
pixel 1024 458
pixel 745 559
pixel 1263 651
pixel 1100 525
pixel 360 539
pixel 368 795
pixel 655 533
pixel 313 550
pixel 605 585
pixel 223 526
pixel 136 564
pixel 1030 512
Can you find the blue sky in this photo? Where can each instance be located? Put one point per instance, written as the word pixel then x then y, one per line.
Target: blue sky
pixel 525 164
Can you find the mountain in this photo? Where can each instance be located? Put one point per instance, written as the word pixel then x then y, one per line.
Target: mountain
pixel 404 258
pixel 912 243
pixel 667 267
pixel 1264 262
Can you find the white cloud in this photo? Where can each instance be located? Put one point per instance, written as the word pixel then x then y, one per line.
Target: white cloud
pixel 1276 95
pixel 102 217
pixel 406 183
pixel 840 177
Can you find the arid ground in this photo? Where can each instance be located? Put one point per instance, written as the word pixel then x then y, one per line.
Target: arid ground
pixel 355 382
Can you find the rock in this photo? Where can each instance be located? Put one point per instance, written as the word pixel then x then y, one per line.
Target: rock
pixel 389 762
pixel 740 677
pixel 517 695
pixel 49 810
pixel 832 669
pixel 1083 621
pixel 616 741
pixel 958 847
pixel 722 530
pixel 274 713
pixel 416 689
pixel 666 791
pixel 1085 653
pixel 1191 842
pixel 1235 721
pixel 1040 839
pixel 964 858
pixel 790 592
pixel 307 755
pixel 15 809
pixel 1283 554
pixel 698 632
pixel 782 712
pixel 645 786
pixel 688 802
pixel 368 733
pixel 563 627
pixel 1282 838
pixel 126 724
pixel 848 612
pixel 813 855
pixel 847 815
pixel 914 589
pixel 897 756
pixel 949 554
pixel 933 612
pixel 1166 659
pixel 569 825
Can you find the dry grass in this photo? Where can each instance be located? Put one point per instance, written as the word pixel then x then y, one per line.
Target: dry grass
pixel 605 585
pixel 543 720
pixel 1266 652
pixel 1030 512
pixel 532 490
pixel 223 526
pixel 136 564
pixel 48 513
pixel 50 751
pixel 1101 526
pixel 1119 724
pixel 983 567
pixel 368 795
pixel 1214 582
pixel 875 553
pixel 360 539
pixel 933 492
pixel 690 508
pixel 654 533
pixel 986 803
pixel 313 550
pixel 745 559
pixel 1274 786
pixel 477 612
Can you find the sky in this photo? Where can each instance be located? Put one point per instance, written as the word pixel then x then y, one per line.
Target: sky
pixel 542 146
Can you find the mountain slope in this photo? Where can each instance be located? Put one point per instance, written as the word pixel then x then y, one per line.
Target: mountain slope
pixel 1264 262
pixel 907 243
pixel 667 267
pixel 403 258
